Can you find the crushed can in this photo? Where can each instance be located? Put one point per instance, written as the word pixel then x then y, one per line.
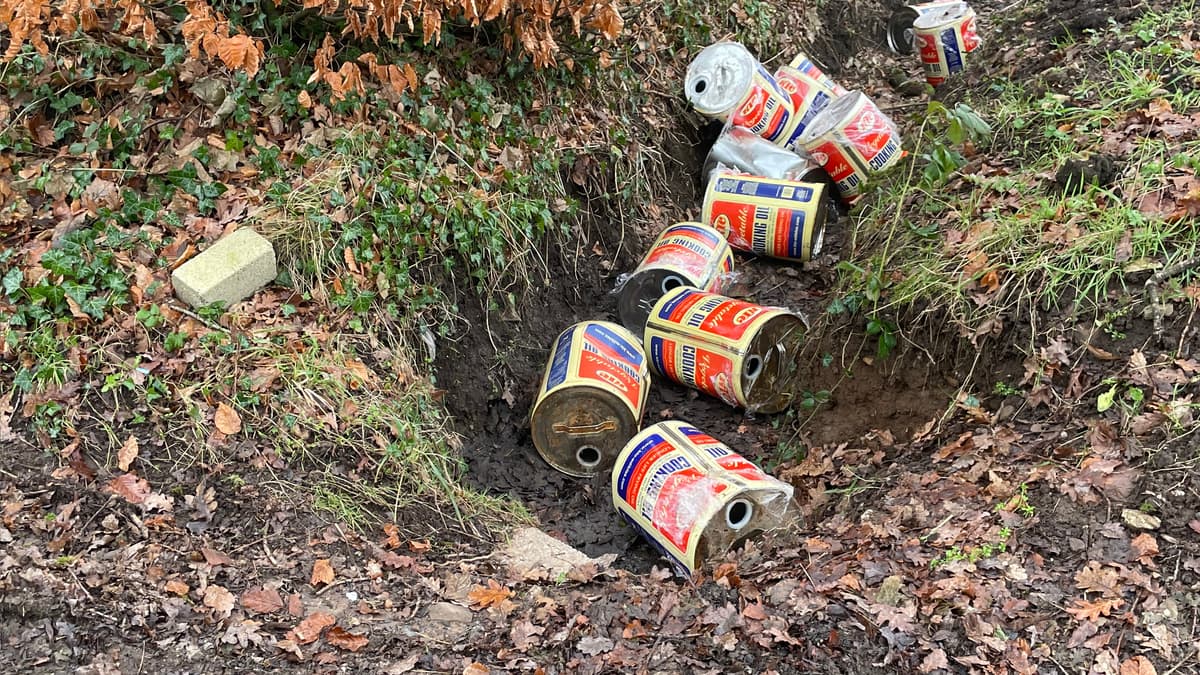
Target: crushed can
pixel 943 38
pixel 726 82
pixel 809 97
pixel 852 139
pixel 685 254
pixel 900 36
pixel 802 63
pixel 767 216
pixel 739 148
pixel 591 399
pixel 690 496
pixel 742 353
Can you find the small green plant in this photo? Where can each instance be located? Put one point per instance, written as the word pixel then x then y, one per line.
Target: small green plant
pixel 959 125
pixel 1002 388
pixel 974 554
pixel 1131 401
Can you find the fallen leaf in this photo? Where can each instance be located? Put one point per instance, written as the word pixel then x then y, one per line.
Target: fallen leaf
pixel 262 600
pixel 295 605
pixel 227 420
pixel 133 489
pixel 935 660
pixel 127 453
pixel 1085 610
pixel 594 646
pixel 1098 579
pixel 476 668
pixel 489 596
pixel 343 639
pixel 177 587
pixel 1145 547
pixel 219 599
pixel 523 634
pixel 214 557
pixel 1138 665
pixel 322 572
pixel 310 628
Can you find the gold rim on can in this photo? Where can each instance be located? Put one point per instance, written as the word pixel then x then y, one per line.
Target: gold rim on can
pixel 685 254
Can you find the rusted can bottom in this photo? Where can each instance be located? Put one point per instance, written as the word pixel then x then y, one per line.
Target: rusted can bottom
pixel 580 430
pixel 642 290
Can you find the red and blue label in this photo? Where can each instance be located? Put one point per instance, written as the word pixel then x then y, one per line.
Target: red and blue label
pixel 602 341
pixel 561 362
pixel 765 110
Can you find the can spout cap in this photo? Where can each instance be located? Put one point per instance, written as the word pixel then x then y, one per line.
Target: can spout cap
pixel 738 514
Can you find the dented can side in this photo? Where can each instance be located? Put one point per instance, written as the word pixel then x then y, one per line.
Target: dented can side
pixel 685 254
pixel 900 36
pixel 737 351
pixel 943 38
pixel 777 218
pixel 738 148
pixel 853 139
pixel 591 399
pixel 809 97
pixel 689 495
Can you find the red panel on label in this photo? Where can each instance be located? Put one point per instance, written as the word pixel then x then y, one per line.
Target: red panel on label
pixel 869 132
pixel 599 369
pixel 714 374
pixel 834 160
pixel 675 519
pixel 731 319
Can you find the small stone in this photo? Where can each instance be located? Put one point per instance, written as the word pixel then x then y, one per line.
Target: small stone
pixel 889 591
pixel 533 550
pixel 448 612
pixel 1140 520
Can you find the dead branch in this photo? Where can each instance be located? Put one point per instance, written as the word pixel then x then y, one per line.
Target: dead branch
pixel 1155 281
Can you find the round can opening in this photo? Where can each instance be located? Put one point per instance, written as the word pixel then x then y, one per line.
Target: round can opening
pixel 738 514
pixel 671 283
pixel 752 367
pixel 700 86
pixel 588 456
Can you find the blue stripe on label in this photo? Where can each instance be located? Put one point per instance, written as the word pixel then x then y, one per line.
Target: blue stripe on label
pixel 560 361
pixel 954 62
pixel 796 235
pixel 764 189
pixel 669 307
pixel 625 471
pixel 709 237
pixel 656 355
pixel 770 79
pixel 626 349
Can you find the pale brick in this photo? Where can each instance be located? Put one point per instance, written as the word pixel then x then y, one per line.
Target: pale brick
pixel 230 270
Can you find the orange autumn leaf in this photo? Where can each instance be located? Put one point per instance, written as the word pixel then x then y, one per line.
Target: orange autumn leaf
pixel 489 596
pixel 133 489
pixel 343 639
pixel 227 419
pixel 310 628
pixel 322 572
pixel 1085 610
pixel 127 453
pixel 239 52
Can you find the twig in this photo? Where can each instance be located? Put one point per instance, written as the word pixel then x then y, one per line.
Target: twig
pixel 340 582
pixel 1152 285
pixel 206 322
pixel 1185 659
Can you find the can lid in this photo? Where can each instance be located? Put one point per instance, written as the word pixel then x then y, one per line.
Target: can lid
pixel 718 77
pixel 828 119
pixel 941 17
pixel 900 30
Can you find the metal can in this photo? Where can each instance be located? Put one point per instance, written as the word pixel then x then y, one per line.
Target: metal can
pixel 944 37
pixel 685 254
pixel 776 218
pixel 809 97
pixel 591 398
pixel 852 139
pixel 692 497
pixel 739 352
pixel 900 36
pixel 802 63
pixel 726 82
pixel 738 148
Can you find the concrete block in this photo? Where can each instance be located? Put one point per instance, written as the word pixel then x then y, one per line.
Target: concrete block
pixel 229 271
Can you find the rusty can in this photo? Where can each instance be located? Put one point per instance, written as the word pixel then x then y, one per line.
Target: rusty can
pixel 776 218
pixel 726 82
pixel 690 496
pixel 802 63
pixel 591 398
pixel 685 254
pixel 809 97
pixel 944 37
pixel 740 352
pixel 738 148
pixel 900 36
pixel 852 139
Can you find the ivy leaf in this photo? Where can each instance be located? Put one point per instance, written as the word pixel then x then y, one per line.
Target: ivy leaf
pixel 1105 400
pixel 12 281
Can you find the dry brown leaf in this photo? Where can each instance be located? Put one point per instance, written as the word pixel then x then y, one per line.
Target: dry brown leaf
pixel 322 572
pixel 213 557
pixel 219 600
pixel 227 419
pixel 1145 547
pixel 476 668
pixel 1085 610
pixel 935 660
pixel 262 600
pixel 127 453
pixel 177 587
pixel 1138 665
pixel 1099 579
pixel 493 594
pixel 310 628
pixel 239 52
pixel 523 634
pixel 343 639
pixel 131 488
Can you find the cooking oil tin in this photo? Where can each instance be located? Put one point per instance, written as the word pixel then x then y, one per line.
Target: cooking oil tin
pixel 943 38
pixel 591 398
pixel 900 36
pixel 809 97
pixel 852 139
pixel 726 82
pixel 739 352
pixel 692 497
pixel 685 254
pixel 802 63
pixel 771 217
